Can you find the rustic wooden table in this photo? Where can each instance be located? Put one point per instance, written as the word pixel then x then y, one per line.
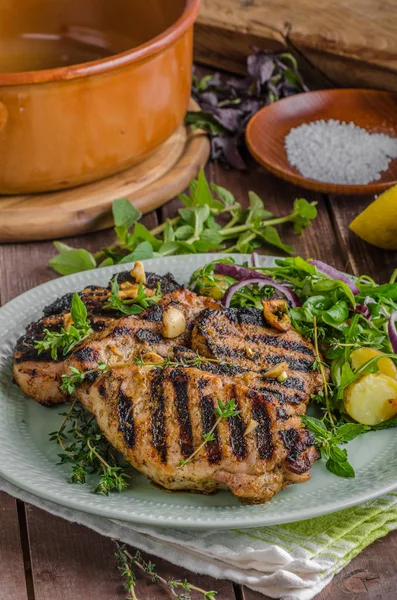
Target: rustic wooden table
pixel 45 558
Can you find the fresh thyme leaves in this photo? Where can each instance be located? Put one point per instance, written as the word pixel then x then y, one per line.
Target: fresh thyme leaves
pixel 75 377
pixel 328 441
pixel 227 105
pixel 134 305
pixel 70 335
pixel 223 411
pixel 86 449
pixel 212 219
pixel 128 563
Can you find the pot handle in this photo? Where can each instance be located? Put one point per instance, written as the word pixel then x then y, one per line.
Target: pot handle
pixel 3 116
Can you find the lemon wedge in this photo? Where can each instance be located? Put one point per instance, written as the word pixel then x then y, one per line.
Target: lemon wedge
pixel 377 224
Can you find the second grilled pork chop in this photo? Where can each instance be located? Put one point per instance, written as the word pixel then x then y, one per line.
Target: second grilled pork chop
pixel 157 417
pixel 243 337
pixel 38 375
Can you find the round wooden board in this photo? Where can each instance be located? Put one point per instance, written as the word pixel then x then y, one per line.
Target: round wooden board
pixel 148 185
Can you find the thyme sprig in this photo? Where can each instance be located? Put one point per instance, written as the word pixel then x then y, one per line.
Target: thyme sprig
pixel 88 451
pixel 222 411
pixel 75 377
pixel 127 563
pixel 66 339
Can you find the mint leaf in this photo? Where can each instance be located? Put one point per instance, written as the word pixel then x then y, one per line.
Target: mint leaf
pixel 314 425
pixel 342 469
pixel 349 431
pixel 72 261
pixel 304 213
pixel 78 311
pixel 271 236
pixel 143 251
pixel 125 215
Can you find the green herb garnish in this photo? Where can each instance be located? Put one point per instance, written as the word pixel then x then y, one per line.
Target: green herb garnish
pixel 222 411
pixel 128 563
pixel 87 450
pixel 67 339
pixel 199 227
pixel 131 306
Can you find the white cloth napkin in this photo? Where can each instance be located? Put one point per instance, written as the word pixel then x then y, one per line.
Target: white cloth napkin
pixel 294 561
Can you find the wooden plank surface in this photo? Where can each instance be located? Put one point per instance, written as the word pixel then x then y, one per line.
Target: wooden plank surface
pixel 12 571
pixel 351 43
pixel 70 562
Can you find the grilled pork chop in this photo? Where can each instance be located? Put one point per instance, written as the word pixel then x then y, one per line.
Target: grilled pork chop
pixel 157 417
pixel 38 375
pixel 242 337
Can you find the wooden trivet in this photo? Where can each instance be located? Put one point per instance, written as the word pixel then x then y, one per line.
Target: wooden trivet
pixel 86 208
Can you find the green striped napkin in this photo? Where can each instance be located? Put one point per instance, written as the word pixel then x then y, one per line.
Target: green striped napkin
pixel 293 561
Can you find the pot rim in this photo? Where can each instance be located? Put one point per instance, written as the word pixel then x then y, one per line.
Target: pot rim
pixel 155 45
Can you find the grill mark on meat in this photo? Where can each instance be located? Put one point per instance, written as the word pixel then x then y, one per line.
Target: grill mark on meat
pixel 180 382
pixel 293 383
pixel 146 335
pixel 91 377
pixel 297 442
pixel 154 314
pixel 102 390
pixel 167 281
pixel 123 330
pixel 86 353
pixel 282 415
pixel 279 342
pixel 98 325
pixel 279 395
pixel 264 440
pixel 60 305
pixel 296 364
pixel 208 419
pixel 126 418
pixel 238 442
pixel 157 424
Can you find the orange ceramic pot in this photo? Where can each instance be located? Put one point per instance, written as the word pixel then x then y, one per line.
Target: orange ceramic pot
pixel 65 126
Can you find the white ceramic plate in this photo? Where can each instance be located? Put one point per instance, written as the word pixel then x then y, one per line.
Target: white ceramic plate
pixel 28 459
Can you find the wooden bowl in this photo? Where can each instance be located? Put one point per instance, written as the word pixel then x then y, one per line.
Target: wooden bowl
pixel 88 89
pixel 372 110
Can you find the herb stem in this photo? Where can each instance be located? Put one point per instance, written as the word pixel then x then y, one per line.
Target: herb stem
pixel 322 371
pixel 160 228
pixel 203 443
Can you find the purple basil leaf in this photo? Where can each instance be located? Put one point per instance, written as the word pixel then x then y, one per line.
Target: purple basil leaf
pixel 225 150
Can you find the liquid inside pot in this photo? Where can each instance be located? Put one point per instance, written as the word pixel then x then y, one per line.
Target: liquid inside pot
pixel 46 34
pixel 34 52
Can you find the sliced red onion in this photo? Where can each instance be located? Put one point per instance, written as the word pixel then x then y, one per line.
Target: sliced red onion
pixel 237 286
pixel 236 271
pixel 334 274
pixel 254 260
pixel 363 309
pixel 391 330
pixel 248 276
